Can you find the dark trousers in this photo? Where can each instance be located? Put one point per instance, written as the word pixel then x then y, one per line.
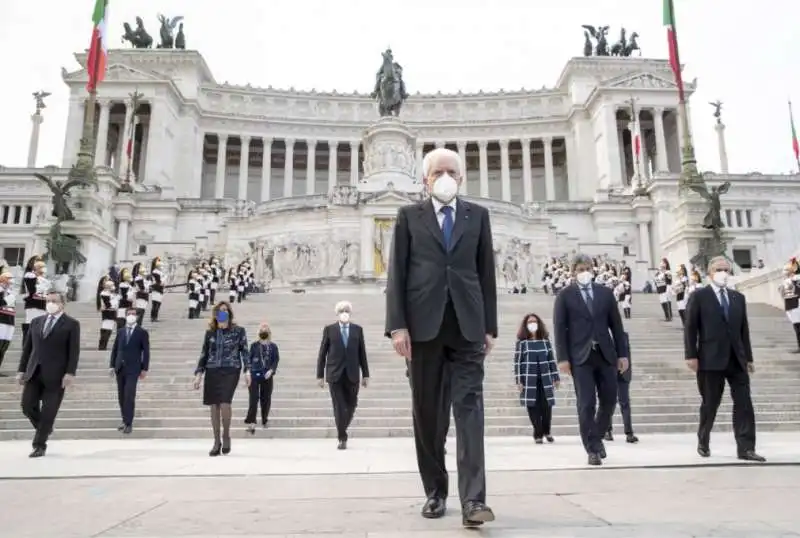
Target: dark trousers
pixel 105 336
pixel 4 345
pixel 344 396
pixel 797 333
pixel 540 413
pixel 140 316
pixel 624 399
pixel 447 405
pixel 595 379
pixel 25 327
pixel 212 296
pixel 711 385
pixel 155 307
pixel 449 360
pixel 260 393
pixel 126 395
pixel 40 405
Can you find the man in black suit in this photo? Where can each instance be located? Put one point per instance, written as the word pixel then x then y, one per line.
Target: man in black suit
pixel 717 345
pixel 130 361
pixel 441 309
pixel 624 399
pixel 342 356
pixel 47 367
pixel 590 346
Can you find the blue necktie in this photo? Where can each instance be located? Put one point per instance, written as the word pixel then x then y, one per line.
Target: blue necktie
pixel 723 300
pixel 344 335
pixel 447 225
pixel 587 296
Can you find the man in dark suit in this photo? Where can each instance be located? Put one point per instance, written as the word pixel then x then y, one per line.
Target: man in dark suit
pixel 342 357
pixel 47 367
pixel 441 309
pixel 130 361
pixel 590 346
pixel 624 399
pixel 717 345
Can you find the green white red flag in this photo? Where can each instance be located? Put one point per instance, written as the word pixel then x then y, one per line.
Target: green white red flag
pixel 98 50
pixel 672 42
pixel 795 144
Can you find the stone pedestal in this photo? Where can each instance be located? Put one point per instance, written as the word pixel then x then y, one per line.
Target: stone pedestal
pixel 688 236
pixel 389 158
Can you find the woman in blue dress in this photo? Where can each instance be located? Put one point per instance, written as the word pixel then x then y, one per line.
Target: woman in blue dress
pixel 536 375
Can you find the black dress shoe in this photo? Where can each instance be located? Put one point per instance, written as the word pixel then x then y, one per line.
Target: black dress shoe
pixel 608 436
pixel 37 453
pixel 475 514
pixel 595 460
pixel 630 438
pixel 434 508
pixel 342 445
pixel 538 440
pixel 751 455
pixel 215 450
pixel 127 430
pixel 704 451
pixel 602 453
pixel 549 438
pixel 120 427
pixel 226 446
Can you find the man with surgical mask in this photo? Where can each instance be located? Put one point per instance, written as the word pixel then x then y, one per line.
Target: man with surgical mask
pixel 341 361
pixel 718 350
pixel 47 367
pixel 129 363
pixel 591 347
pixel 441 314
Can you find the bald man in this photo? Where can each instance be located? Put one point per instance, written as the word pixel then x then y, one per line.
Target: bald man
pixel 441 310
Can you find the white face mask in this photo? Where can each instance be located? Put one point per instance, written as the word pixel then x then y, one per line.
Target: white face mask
pixel 53 308
pixel 344 317
pixel 584 278
pixel 130 319
pixel 43 270
pixel 445 188
pixel 532 328
pixel 720 278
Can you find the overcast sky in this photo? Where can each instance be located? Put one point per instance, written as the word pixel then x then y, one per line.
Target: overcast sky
pixel 741 53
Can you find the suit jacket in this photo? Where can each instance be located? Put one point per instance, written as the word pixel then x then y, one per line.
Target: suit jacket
pixel 423 275
pixel 709 337
pixel 131 356
pixel 575 328
pixel 54 355
pixel 336 360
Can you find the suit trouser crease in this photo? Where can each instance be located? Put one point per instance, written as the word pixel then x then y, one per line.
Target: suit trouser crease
pixel 540 413
pixel 711 385
pixel 624 400
pixel 40 405
pixel 595 379
pixel 126 395
pixel 260 395
pixel 344 397
pixel 449 361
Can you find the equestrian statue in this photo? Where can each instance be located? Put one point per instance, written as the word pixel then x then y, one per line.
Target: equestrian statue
pixel 390 90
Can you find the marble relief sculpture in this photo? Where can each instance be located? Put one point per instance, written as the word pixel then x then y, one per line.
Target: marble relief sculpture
pixel 287 260
pixel 384 229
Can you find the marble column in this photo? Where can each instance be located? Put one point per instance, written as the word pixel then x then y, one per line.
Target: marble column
pixel 143 160
pixel 644 168
pixel 354 163
pixel 244 167
pixel 333 164
pixel 484 165
pixel 311 166
pixel 622 160
pixel 194 188
pixel 126 160
pixel 101 146
pixel 33 145
pixel 549 177
pixel 614 170
pixel 662 163
pixel 222 165
pixel 74 131
pixel 266 171
pixel 644 243
pixel 505 171
pixel 462 154
pixel 723 150
pixel 420 156
pixel 121 252
pixel 288 168
pixel 527 181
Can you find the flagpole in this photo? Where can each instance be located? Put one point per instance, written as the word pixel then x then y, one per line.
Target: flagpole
pixel 134 104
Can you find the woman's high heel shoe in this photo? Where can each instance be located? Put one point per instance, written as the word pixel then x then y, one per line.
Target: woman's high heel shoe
pixel 226 446
pixel 215 450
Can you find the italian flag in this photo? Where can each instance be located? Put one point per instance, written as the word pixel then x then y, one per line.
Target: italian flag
pixel 98 51
pixel 672 42
pixel 795 144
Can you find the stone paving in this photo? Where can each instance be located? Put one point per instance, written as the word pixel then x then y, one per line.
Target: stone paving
pixel 305 488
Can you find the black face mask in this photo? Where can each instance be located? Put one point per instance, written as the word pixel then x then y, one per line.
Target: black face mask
pixel 263 335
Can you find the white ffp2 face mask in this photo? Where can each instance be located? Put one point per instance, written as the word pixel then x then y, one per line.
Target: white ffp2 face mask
pixel 130 319
pixel 532 328
pixel 720 278
pixel 445 188
pixel 52 308
pixel 584 278
pixel 344 317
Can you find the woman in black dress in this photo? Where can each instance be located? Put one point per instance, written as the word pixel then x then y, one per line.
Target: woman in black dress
pixel 221 360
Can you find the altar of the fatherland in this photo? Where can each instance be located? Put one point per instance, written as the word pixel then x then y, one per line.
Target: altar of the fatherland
pixel 307 183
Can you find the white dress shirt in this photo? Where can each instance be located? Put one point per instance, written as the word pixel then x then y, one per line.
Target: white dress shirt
pixel 717 293
pixel 437 208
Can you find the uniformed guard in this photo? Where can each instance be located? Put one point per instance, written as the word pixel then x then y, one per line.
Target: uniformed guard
pixel 216 278
pixel 35 287
pixel 193 289
pixel 142 285
pixel 233 285
pixel 789 289
pixel 107 302
pixel 156 288
pixel 8 311
pixel 679 286
pixel 127 295
pixel 624 295
pixel 663 280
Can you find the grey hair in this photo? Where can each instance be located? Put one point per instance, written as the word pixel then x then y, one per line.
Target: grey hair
pixel 432 155
pixel 342 306
pixel 580 259
pixel 718 259
pixel 61 297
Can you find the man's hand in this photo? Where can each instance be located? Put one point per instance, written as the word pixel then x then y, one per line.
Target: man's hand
pixel 197 379
pixel 67 380
pixel 111 372
pixel 321 383
pixel 142 375
pixel 364 382
pixel 20 380
pixel 402 343
pixel 622 365
pixel 247 379
pixel 692 364
pixel 564 368
pixel 751 368
pixel 489 344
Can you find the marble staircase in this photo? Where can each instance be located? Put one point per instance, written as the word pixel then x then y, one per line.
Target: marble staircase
pixel 664 393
